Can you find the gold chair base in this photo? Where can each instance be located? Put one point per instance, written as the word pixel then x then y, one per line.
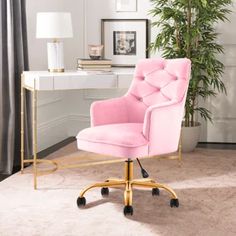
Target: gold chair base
pixel 128 183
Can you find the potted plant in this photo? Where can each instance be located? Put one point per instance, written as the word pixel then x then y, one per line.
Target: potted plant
pixel 187 29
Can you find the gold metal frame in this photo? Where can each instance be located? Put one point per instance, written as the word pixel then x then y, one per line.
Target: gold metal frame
pixel 35 161
pixel 129 183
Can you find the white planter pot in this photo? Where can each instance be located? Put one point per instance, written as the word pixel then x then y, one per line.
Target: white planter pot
pixel 190 137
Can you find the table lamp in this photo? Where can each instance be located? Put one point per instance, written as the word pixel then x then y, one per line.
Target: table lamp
pixel 54 25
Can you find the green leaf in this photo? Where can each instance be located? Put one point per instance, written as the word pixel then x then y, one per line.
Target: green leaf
pixel 204 3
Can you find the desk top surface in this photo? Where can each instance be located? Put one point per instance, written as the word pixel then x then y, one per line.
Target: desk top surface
pixel 114 71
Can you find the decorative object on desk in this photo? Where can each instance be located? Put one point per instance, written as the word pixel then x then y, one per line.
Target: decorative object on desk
pixel 125 40
pixel 54 25
pixel 95 51
pixel 94 65
pixel 126 5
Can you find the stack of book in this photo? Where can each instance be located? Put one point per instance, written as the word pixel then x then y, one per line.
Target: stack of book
pixel 94 65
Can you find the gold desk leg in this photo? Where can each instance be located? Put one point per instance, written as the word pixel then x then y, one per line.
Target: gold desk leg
pixel 22 123
pixel 34 117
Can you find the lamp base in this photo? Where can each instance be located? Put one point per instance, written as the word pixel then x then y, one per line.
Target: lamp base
pixel 56 70
pixel 55 57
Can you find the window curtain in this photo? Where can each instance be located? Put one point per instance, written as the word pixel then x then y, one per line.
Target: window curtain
pixel 13 60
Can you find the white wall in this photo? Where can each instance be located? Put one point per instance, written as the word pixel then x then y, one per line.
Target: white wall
pixel 63 114
pixel 223 107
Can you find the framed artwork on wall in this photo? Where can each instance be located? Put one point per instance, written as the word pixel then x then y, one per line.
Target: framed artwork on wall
pixel 126 5
pixel 125 40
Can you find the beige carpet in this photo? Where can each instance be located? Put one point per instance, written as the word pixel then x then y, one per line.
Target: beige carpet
pixel 205 184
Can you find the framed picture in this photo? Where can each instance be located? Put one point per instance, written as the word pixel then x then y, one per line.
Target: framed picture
pixel 126 5
pixel 125 40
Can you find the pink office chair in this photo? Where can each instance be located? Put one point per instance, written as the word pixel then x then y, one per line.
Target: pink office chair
pixel 144 122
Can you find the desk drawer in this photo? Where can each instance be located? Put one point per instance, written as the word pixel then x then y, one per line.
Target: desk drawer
pixel 85 82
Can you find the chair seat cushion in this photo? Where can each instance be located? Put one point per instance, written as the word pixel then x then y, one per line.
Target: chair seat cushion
pixel 124 140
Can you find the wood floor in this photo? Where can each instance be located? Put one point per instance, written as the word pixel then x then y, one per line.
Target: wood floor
pixel 205 184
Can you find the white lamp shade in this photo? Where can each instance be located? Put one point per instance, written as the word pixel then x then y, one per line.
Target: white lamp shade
pixel 54 25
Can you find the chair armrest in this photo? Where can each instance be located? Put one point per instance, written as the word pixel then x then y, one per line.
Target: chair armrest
pixel 162 126
pixel 109 111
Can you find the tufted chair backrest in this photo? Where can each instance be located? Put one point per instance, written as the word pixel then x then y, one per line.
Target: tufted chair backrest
pixel 157 81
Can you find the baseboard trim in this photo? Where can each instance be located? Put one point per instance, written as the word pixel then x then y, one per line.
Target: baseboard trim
pixel 217 145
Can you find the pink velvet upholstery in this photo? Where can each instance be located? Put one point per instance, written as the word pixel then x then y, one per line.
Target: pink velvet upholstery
pixel 147 120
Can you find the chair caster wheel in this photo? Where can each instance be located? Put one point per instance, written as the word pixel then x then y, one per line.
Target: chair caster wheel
pixel 155 192
pixel 128 210
pixel 174 202
pixel 81 201
pixel 105 192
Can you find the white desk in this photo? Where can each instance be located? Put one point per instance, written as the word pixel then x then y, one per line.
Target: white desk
pixel 36 81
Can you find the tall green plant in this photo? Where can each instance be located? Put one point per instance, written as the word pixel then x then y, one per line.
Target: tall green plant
pixel 186 29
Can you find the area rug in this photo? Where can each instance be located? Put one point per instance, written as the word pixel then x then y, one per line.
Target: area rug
pixel 205 185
